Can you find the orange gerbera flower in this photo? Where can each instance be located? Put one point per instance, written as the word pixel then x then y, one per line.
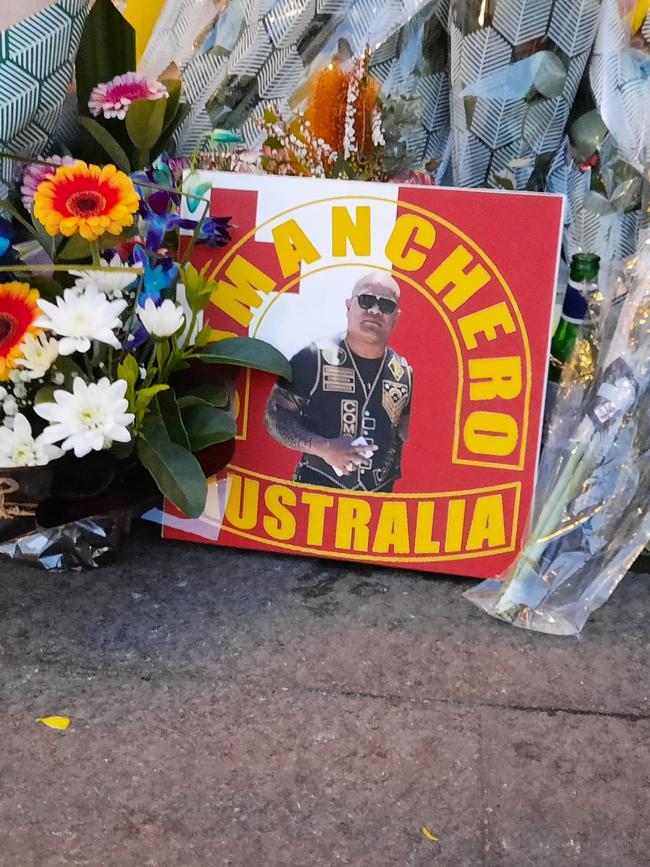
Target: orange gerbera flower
pixel 18 311
pixel 86 199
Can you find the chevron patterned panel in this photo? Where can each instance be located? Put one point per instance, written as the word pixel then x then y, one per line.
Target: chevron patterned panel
pixel 573 25
pixel 497 122
pixel 36 68
pixel 521 20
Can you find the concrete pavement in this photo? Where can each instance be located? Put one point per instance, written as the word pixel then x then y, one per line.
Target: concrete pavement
pixel 230 708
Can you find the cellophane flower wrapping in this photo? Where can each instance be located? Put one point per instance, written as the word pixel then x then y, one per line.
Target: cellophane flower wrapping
pixel 276 56
pixel 601 162
pixel 515 70
pixel 591 516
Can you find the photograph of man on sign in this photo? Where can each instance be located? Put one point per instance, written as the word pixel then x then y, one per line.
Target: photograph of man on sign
pixel 348 408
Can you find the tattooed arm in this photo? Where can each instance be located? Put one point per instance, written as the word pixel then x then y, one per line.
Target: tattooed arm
pixel 286 425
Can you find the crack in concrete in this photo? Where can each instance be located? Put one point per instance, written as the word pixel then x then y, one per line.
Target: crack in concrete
pixel 522 708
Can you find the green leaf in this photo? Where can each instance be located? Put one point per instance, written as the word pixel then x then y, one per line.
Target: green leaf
pixel 170 413
pixel 106 141
pixel 129 370
pixel 206 426
pixel 48 287
pixel 176 471
pixel 144 122
pixel 173 86
pixel 247 352
pixel 107 49
pixel 75 249
pixel 144 397
pixel 45 394
pixel 207 395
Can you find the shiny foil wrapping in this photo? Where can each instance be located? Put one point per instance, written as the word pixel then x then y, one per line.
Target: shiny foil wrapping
pixel 84 544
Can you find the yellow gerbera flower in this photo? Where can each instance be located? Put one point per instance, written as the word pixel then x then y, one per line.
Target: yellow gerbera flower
pixel 19 311
pixel 86 199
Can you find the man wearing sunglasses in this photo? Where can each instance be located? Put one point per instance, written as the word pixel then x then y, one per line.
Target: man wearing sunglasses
pixel 347 409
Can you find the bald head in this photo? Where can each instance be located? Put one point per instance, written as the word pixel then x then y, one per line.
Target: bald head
pixel 370 326
pixel 379 283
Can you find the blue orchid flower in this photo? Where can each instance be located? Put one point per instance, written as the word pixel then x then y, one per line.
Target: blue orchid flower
pixel 157 278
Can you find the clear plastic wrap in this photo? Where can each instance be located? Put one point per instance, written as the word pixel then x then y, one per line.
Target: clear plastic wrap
pixel 600 166
pixel 515 70
pixel 261 57
pixel 591 514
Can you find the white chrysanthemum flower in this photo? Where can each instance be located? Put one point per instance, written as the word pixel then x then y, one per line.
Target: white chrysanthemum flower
pixel 80 318
pixel 111 283
pixel 161 321
pixel 19 448
pixel 90 418
pixel 39 354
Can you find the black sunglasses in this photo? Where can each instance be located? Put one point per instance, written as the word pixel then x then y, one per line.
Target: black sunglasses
pixel 368 301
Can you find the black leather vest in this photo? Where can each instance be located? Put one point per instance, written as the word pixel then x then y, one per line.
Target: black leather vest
pixel 342 404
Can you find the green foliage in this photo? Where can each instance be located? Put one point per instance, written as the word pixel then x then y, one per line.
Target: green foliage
pixel 207 426
pixel 106 49
pixel 246 352
pixel 109 145
pixel 144 122
pixel 206 395
pixel 170 413
pixel 176 471
pixel 143 398
pixel 198 287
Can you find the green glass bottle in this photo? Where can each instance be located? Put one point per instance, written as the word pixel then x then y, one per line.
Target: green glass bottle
pixel 575 312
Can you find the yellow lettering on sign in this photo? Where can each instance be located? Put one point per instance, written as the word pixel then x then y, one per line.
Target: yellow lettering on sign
pixel 424 541
pixel 495 377
pixel 488 523
pixel 243 499
pixel 293 248
pixel 317 503
pixel 237 298
pixel 486 322
pixel 352 524
pixel 280 524
pixel 491 433
pixel 455 526
pixel 345 230
pixel 409 231
pixel 451 273
pixel 392 529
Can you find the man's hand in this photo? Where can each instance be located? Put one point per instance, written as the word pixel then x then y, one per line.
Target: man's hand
pixel 343 456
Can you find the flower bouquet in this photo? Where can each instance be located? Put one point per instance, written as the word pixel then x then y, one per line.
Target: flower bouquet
pixel 590 516
pixel 329 89
pixel 114 389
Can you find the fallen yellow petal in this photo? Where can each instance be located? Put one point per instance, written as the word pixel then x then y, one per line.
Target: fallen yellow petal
pixel 60 723
pixel 429 835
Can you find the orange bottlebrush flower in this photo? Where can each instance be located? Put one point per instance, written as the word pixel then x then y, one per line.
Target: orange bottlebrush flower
pixel 86 199
pixel 18 312
pixel 327 104
pixel 328 94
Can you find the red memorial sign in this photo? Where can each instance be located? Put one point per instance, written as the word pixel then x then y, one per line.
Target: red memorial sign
pixel 417 321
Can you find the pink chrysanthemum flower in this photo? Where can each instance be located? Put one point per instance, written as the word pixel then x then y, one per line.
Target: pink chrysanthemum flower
pixel 113 98
pixel 35 174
